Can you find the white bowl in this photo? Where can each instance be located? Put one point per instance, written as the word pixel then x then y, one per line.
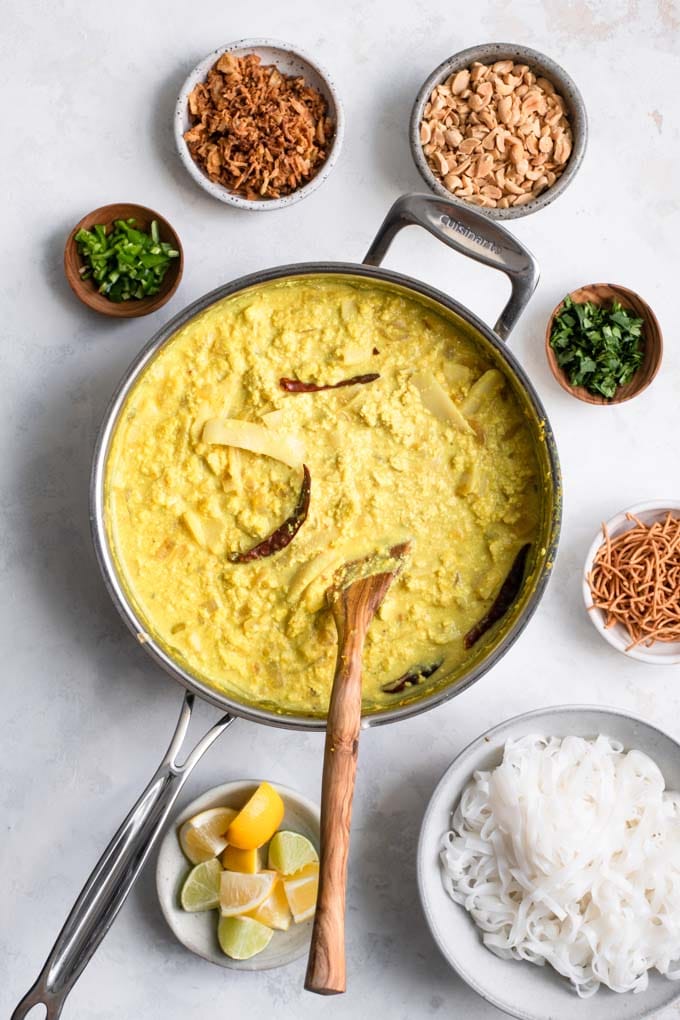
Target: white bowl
pixel 661 653
pixel 288 61
pixel 522 989
pixel 198 931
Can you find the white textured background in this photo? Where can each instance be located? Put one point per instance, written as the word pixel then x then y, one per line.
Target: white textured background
pixel 88 92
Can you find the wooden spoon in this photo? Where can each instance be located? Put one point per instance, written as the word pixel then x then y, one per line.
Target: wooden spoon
pixel 357 593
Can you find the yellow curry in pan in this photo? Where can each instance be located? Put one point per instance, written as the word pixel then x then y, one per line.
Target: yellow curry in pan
pixel 432 445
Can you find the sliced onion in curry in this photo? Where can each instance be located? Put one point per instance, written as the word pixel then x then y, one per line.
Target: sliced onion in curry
pixel 286 532
pixel 298 386
pixel 506 596
pixel 437 401
pixel 411 678
pixel 256 438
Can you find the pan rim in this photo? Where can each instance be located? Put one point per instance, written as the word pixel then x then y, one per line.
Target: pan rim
pixel 106 560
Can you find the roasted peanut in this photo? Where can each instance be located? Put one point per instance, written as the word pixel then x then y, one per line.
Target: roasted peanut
pixel 496 135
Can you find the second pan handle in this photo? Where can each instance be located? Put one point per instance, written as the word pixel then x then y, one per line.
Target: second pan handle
pixel 107 887
pixel 470 233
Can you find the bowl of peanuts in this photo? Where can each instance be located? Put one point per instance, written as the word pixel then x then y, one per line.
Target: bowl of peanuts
pixel 501 127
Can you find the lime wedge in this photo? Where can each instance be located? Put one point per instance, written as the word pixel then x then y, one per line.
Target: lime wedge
pixel 289 852
pixel 201 890
pixel 242 937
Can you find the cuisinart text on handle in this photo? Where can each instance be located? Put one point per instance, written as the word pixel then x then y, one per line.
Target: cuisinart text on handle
pixel 460 228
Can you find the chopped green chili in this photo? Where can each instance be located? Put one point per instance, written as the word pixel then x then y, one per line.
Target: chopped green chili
pixel 125 262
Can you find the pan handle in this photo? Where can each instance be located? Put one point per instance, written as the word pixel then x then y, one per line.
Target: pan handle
pixel 470 233
pixel 107 887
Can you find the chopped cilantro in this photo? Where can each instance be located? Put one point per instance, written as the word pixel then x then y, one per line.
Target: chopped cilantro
pixel 599 347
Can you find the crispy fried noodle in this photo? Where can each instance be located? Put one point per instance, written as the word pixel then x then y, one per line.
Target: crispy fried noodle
pixel 635 580
pixel 568 853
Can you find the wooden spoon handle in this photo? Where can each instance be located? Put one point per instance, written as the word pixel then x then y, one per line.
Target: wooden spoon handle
pixel 353 608
pixel 326 966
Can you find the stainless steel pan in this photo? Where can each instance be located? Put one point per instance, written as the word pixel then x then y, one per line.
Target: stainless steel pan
pixel 469 233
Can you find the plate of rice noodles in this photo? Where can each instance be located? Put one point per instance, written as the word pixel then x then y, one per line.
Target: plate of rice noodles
pixel 549 866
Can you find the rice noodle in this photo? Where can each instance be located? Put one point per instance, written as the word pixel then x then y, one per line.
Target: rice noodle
pixel 568 853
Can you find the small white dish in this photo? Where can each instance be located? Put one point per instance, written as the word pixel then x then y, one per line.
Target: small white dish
pixel 661 653
pixel 288 61
pixel 519 988
pixel 198 931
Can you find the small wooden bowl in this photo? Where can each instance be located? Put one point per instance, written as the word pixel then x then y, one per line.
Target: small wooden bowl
pixel 605 293
pixel 86 290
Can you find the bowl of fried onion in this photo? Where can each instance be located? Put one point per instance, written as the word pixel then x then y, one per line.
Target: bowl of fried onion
pixel 631 582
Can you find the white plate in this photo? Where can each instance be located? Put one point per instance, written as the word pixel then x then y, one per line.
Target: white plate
pixel 288 61
pixel 198 931
pixel 661 652
pixel 519 988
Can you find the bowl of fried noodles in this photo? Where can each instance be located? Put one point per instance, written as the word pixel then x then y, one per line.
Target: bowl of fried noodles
pixel 631 581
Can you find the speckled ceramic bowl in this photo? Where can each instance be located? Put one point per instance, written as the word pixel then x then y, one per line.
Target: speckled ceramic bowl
pixel 288 61
pixel 489 53
pixel 519 988
pixel 198 932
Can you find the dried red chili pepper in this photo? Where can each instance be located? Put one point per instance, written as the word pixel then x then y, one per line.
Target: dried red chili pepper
pixel 297 386
pixel 410 679
pixel 506 596
pixel 286 532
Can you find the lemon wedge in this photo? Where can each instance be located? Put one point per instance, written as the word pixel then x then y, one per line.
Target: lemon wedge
pixel 203 836
pixel 239 894
pixel 301 890
pixel 242 937
pixel 274 911
pixel 289 852
pixel 258 820
pixel 247 861
pixel 201 890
